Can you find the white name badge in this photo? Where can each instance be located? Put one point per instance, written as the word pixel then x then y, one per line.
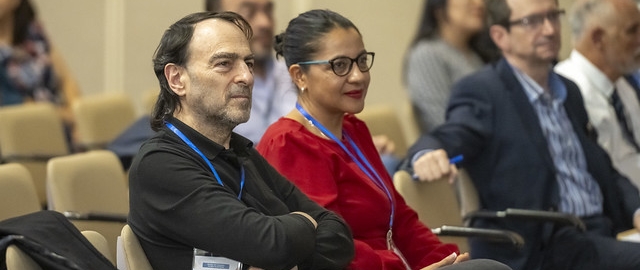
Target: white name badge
pixel 203 260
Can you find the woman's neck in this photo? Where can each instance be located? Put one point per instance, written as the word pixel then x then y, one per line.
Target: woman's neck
pixel 331 121
pixel 456 38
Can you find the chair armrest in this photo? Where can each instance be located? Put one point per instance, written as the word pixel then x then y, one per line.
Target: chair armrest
pixel 96 216
pixel 83 147
pixel 34 157
pixel 494 235
pixel 532 215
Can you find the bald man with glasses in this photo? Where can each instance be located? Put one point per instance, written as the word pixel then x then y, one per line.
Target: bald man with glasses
pixel 606 35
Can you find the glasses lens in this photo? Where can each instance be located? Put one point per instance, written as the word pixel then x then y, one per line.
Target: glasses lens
pixel 341 65
pixel 365 61
pixel 555 15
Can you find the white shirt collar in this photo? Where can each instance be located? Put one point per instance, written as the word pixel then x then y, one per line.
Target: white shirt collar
pixel 598 79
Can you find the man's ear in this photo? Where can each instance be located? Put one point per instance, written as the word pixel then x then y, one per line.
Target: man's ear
pixel 499 35
pixel 176 77
pixel 596 36
pixel 298 76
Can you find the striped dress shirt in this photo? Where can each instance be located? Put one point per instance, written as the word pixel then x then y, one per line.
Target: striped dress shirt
pixel 579 193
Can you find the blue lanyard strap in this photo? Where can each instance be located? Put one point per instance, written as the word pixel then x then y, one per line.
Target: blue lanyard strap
pixel 195 148
pixel 360 160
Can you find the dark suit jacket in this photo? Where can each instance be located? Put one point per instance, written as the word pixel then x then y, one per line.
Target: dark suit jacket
pixel 491 122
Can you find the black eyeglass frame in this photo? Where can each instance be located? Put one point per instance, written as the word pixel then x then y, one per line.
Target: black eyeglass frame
pixel 536 19
pixel 353 60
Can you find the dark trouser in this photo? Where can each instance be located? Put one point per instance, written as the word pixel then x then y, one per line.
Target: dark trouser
pixel 477 264
pixel 595 249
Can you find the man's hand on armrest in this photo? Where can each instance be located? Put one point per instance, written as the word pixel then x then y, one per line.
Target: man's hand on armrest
pixel 434 165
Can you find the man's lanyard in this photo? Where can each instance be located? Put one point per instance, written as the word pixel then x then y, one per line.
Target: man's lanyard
pixel 360 160
pixel 195 148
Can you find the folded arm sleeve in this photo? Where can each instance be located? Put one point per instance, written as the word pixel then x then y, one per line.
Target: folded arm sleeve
pixel 182 193
pixel 333 240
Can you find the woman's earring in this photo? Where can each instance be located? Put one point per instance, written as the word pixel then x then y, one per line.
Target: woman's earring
pixel 302 89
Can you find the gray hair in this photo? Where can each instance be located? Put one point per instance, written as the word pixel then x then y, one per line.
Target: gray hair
pixel 584 12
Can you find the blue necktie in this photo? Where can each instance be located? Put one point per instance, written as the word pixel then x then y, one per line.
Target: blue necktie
pixel 634 81
pixel 627 133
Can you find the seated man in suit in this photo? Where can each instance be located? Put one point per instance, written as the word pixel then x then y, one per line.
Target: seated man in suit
pixel 527 143
pixel 606 35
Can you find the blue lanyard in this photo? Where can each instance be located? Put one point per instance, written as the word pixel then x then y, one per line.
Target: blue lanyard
pixel 193 146
pixel 360 160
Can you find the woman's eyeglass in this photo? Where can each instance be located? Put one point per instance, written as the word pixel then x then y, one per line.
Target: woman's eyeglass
pixel 341 66
pixel 537 20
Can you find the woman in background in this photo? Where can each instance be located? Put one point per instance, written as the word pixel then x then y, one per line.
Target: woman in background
pixel 329 154
pixel 445 49
pixel 30 70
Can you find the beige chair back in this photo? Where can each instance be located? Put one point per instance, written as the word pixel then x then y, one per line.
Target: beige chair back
pixel 435 202
pixel 16 259
pixel 467 193
pixel 100 119
pixel 19 196
pixel 99 242
pixel 30 134
pixel 382 120
pixel 131 256
pixel 91 182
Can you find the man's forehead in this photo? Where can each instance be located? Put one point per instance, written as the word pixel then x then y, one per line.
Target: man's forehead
pixel 520 8
pixel 214 34
pixel 216 27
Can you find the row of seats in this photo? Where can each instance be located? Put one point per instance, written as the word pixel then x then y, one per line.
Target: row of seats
pixel 31 134
pixel 90 189
pixel 130 253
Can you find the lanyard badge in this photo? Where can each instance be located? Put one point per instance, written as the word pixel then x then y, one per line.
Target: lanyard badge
pixel 203 260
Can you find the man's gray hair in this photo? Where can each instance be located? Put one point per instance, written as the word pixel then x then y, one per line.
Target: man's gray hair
pixel 584 12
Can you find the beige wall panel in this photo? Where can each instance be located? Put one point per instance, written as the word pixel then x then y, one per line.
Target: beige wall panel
pixel 145 22
pixel 76 28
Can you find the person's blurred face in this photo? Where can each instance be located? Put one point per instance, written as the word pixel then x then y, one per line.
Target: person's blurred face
pixel 533 36
pixel 218 74
pixel 621 39
pixel 259 14
pixel 466 15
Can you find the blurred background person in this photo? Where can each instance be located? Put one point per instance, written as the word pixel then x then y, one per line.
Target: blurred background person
pixel 606 37
pixel 445 49
pixel 329 153
pixel 30 69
